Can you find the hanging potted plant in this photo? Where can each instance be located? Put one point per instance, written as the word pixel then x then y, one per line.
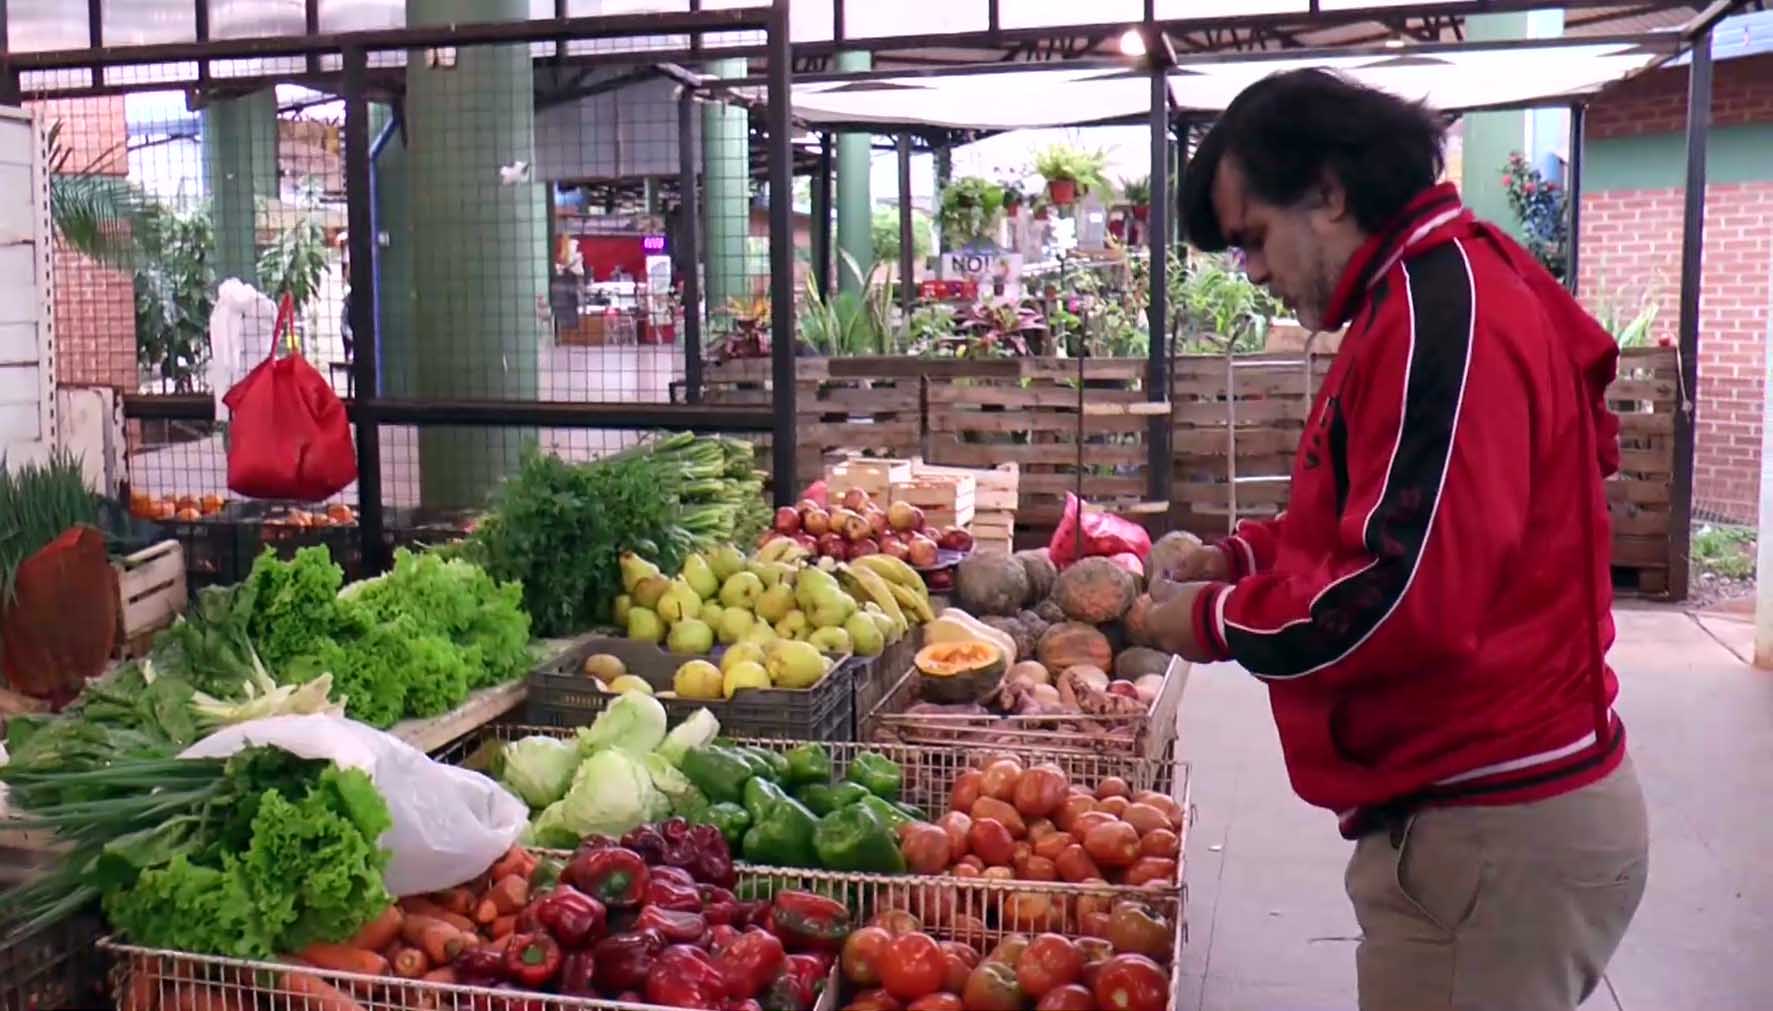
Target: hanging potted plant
pixel 1070 173
pixel 1137 193
pixel 969 210
pixel 1012 198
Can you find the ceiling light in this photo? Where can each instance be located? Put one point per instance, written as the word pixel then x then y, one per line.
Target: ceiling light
pixel 1132 43
pixel 1395 42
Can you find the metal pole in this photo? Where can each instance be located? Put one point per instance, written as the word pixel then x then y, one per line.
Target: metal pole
pixel 1158 432
pixel 1573 193
pixel 907 297
pixel 689 247
pixel 360 212
pixel 1680 532
pixel 781 167
pixel 822 218
pixel 1764 571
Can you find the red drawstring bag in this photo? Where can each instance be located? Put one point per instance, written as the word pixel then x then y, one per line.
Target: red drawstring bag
pixel 289 437
pixel 1103 534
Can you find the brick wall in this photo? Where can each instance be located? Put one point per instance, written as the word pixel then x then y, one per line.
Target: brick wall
pixel 1631 248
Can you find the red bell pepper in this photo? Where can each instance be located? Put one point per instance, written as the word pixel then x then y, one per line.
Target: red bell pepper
pixel 685 977
pixel 677 874
pixel 750 962
pixel 806 920
pixel 578 975
pixel 748 1004
pixel 532 960
pixel 625 960
pixel 719 936
pixel 711 859
pixel 665 894
pixel 480 966
pixel 646 841
pixel 574 918
pixel 616 876
pixel 677 927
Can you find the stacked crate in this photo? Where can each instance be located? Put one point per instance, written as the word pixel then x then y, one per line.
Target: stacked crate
pixel 876 478
pixel 994 500
pixel 946 499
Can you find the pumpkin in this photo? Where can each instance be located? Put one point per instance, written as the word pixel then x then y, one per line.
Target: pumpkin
pixel 1038 566
pixel 990 583
pixel 1166 555
pixel 1137 622
pixel 1095 590
pixel 1138 661
pixel 958 672
pixel 1017 632
pixel 1050 612
pixel 1072 644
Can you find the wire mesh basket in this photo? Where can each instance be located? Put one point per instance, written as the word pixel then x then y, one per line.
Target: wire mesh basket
pixel 51 967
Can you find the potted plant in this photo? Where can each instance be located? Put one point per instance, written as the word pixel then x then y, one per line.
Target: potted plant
pixel 969 209
pixel 1012 198
pixel 1070 172
pixel 1137 193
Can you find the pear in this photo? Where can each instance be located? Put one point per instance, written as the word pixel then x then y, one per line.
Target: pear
pixel 834 641
pixel 629 683
pixel 697 679
pixel 748 674
pixel 634 569
pixel 623 603
pixel 772 573
pixel 679 603
pixel 831 609
pixel 740 652
pixel 795 665
pixel 775 603
pixel 605 667
pixel 889 629
pixel 649 590
pixel 645 625
pixel 793 624
pixel 710 613
pixel 866 638
pixel 741 589
pixel 697 573
pixel 691 635
pixel 734 623
pixel 761 635
pixel 813 584
pixel 727 561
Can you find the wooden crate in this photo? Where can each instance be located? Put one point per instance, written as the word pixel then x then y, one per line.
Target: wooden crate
pixel 875 477
pixel 946 500
pixel 1645 397
pixel 151 594
pixel 994 529
pixel 994 488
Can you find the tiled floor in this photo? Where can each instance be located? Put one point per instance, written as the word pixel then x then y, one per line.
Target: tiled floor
pixel 1270 928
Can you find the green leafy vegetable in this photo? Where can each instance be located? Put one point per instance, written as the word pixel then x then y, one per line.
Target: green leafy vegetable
pixel 611 793
pixel 700 728
pixel 540 769
pixel 634 722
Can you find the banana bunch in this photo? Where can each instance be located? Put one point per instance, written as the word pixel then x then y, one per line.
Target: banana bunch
pixel 784 549
pixel 890 584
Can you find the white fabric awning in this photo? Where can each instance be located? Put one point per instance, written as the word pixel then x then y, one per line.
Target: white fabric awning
pixel 997 101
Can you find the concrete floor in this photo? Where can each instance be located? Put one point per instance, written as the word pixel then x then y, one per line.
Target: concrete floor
pixel 1270 927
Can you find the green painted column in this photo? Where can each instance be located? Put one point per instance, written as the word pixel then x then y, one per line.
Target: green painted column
pixel 398 373
pixel 726 189
pixel 1490 137
pixel 479 246
pixel 855 205
pixel 239 167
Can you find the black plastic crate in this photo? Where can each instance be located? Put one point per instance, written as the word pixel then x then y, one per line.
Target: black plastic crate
pixel 270 525
pixel 874 684
pixel 55 968
pixel 211 546
pixel 562 695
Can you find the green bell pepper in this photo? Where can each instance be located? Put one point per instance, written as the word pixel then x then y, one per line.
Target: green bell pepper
pixel 879 774
pixel 731 819
pixel 889 815
pixel 546 875
pixel 809 763
pixel 720 773
pixel 823 798
pixel 760 796
pixel 782 836
pixel 775 764
pixel 915 813
pixel 856 838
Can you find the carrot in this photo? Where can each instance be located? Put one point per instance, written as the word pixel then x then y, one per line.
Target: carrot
pixel 318 995
pixel 459 901
pixel 344 958
pixel 202 997
pixel 503 926
pixel 443 975
pixel 421 906
pixel 510 894
pixel 516 860
pixel 440 942
pixel 427 999
pixel 142 994
pixel 486 912
pixel 379 932
pixel 409 963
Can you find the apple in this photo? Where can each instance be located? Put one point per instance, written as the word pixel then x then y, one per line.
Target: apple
pixel 855 500
pixel 806 505
pixel 939 581
pixel 856 527
pixel 955 539
pixel 816 521
pixel 787 521
pixel 865 546
pixel 921 552
pixel 890 545
pixel 903 516
pixel 834 546
pixel 877 521
pixel 767 536
pixel 807 541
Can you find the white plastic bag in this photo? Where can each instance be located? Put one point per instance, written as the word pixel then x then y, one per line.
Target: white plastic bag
pixel 449 824
pixel 240 331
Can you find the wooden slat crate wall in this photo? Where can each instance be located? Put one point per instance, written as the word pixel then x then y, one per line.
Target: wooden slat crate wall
pixel 1639 497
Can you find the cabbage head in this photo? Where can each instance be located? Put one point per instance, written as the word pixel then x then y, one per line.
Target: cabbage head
pixel 701 728
pixel 540 769
pixel 610 794
pixel 634 722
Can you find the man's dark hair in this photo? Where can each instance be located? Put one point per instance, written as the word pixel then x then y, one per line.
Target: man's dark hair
pixel 1288 129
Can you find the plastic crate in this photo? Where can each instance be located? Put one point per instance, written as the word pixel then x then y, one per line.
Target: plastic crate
pixel 561 695
pixel 264 524
pixel 876 683
pixel 54 968
pixel 211 546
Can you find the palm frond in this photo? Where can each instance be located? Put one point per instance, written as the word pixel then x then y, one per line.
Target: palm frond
pixel 104 217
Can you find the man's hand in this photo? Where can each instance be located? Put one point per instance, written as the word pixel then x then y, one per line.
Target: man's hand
pixel 1178 623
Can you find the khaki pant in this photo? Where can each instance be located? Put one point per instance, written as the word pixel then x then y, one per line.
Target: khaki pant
pixel 1513 908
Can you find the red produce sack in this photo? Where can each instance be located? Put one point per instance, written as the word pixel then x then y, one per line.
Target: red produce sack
pixel 1103 534
pixel 289 437
pixel 59 629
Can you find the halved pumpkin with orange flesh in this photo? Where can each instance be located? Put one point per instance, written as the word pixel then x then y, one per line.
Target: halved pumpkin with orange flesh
pixel 959 672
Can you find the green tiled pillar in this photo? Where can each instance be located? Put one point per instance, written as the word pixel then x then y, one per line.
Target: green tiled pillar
pixel 239 167
pixel 726 187
pixel 1490 137
pixel 855 206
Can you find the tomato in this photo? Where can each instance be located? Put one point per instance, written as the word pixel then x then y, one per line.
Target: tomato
pixel 1001 778
pixel 1029 910
pixel 1019 859
pixel 1145 818
pixel 1039 792
pixel 1080 826
pixel 956 824
pixel 861 955
pixel 1009 949
pixel 1115 844
pixel 1115 805
pixel 1040 828
pixel 1113 786
pixel 991 807
pixel 1049 962
pixel 992 987
pixel 1159 843
pixel 927 848
pixel 935 1002
pixel 912 966
pixel 966 790
pixel 969 867
pixel 1165 803
pixel 956 968
pixel 1073 806
pixel 1135 928
pixel 1151 869
pixel 1132 983
pixel 1071 997
pixel 1050 846
pixel 1000 873
pixel 991 842
pixel 1075 865
pixel 1094 949
pixel 896 921
pixel 965 952
pixel 874 1000
pixel 936 904
pixel 1040 869
pixel 968 928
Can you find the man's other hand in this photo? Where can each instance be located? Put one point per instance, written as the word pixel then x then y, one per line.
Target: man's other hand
pixel 1177 624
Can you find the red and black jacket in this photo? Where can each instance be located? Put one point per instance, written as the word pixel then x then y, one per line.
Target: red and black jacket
pixel 1432 611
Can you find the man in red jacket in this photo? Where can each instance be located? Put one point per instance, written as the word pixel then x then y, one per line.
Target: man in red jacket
pixel 1432 612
